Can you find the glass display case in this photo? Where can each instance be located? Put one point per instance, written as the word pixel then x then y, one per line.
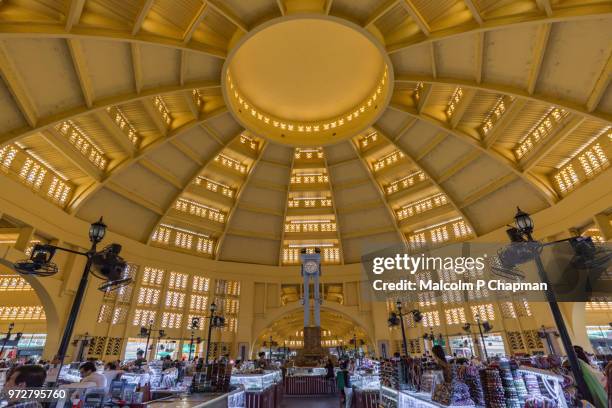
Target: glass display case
pixel 388 397
pixel 366 382
pixel 70 373
pixel 550 384
pixel 136 378
pixel 254 382
pixel 306 371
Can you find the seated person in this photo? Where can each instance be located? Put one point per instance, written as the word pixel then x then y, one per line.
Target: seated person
pixel 140 364
pixel 262 362
pixel 111 373
pixel 25 376
pixel 90 378
pixel 166 363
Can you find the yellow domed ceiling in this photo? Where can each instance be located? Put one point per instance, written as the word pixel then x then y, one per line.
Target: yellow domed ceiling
pixel 405 121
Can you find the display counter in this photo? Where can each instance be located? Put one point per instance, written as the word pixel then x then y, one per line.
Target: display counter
pixel 366 390
pixel 261 390
pixel 234 399
pixel 410 399
pixel 550 384
pixel 309 382
pixel 137 378
pixel 306 371
pixel 388 397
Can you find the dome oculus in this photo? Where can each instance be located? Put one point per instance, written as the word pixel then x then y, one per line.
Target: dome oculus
pixel 307 80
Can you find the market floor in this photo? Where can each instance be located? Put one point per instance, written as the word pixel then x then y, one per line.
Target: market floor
pixel 319 402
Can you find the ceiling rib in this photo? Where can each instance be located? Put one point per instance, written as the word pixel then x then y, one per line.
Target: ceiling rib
pixel 195 22
pixel 64 147
pixel 539 51
pixel 479 53
pixel 282 238
pixel 430 146
pixel 136 66
pixel 80 67
pixel 508 90
pixel 187 151
pixel 334 207
pixel 542 150
pixel 115 132
pixel 80 199
pixel 600 86
pixel 193 108
pixel 456 167
pixel 59 30
pixel 281 7
pixel 160 172
pixel 155 117
pixel 75 9
pixel 545 6
pixel 134 197
pixel 18 30
pixel 474 11
pixel 502 124
pixel 142 14
pixel 450 197
pixel 565 14
pixel 100 104
pixel 183 188
pixel 416 16
pixel 547 193
pixel 182 67
pixel 16 86
pixel 487 189
pixel 462 108
pixel 432 55
pixel 379 190
pixel 226 12
pixel 380 12
pixel 409 124
pixel 232 211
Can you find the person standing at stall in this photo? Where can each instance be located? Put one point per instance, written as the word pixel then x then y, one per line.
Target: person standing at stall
pixel 439 358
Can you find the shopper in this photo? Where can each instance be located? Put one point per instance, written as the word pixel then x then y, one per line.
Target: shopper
pixel 440 359
pixel 329 367
pixel 111 373
pixel 262 362
pixel 25 376
pixel 594 379
pixel 90 378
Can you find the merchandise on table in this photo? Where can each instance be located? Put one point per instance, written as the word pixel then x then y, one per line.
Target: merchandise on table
pixel 430 379
pixel 255 382
pixel 493 388
pixel 471 377
pixel 511 394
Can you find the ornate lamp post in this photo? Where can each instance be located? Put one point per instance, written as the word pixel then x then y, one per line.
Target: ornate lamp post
pixel 398 304
pixel 106 264
pixel 524 228
pixel 195 325
pixel 216 322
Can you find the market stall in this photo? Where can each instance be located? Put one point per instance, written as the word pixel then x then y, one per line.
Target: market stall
pixel 366 390
pixel 308 381
pixel 262 389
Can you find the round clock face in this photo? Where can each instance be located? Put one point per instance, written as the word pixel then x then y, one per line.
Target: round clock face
pixel 311 267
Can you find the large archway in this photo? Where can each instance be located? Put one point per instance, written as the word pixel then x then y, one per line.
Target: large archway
pixel 338 328
pixel 28 303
